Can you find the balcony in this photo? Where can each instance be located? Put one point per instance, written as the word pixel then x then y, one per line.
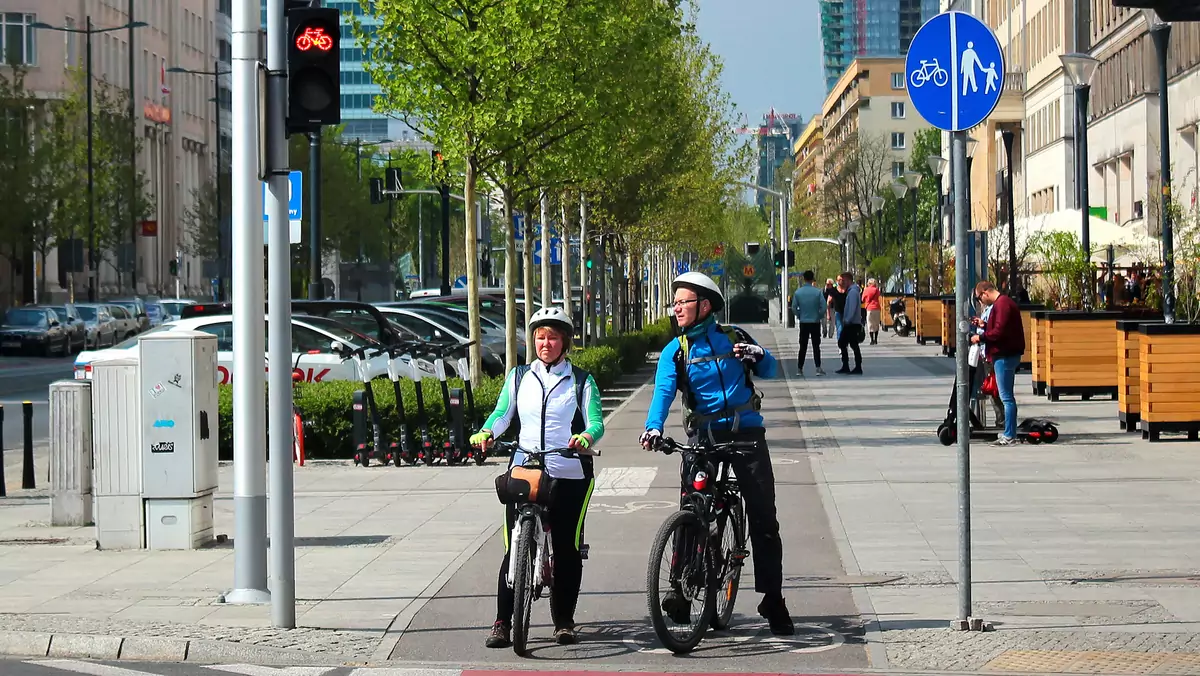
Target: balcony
pixel 1011 107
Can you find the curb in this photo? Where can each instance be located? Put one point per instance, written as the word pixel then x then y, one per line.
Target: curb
pixel 154 649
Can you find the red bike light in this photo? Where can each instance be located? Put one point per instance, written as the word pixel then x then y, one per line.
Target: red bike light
pixel 700 481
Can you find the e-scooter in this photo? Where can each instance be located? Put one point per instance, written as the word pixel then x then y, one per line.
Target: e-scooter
pixel 455 448
pixel 464 372
pixel 426 453
pixel 401 449
pixel 374 448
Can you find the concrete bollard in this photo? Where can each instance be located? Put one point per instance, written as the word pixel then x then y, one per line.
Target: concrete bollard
pixel 71 453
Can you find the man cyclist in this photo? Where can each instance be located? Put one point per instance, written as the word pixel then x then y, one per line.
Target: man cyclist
pixel 713 373
pixel 556 405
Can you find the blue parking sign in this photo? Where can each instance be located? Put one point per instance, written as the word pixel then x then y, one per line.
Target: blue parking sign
pixel 954 71
pixel 295 196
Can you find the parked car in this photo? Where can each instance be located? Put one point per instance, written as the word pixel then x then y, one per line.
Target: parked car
pixel 157 313
pixel 101 327
pixel 438 330
pixel 137 308
pixel 73 322
pixel 127 325
pixel 174 307
pixel 33 329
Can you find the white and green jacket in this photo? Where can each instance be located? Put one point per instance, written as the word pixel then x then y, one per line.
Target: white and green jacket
pixel 550 404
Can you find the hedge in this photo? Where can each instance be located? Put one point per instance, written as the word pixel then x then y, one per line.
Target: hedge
pixel 325 407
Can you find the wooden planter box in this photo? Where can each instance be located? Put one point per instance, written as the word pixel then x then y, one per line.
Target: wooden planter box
pixel 1037 349
pixel 1080 355
pixel 1027 309
pixel 949 334
pixel 1129 398
pixel 929 319
pixel 1169 379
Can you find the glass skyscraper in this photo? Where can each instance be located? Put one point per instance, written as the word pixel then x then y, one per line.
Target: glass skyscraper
pixel 854 28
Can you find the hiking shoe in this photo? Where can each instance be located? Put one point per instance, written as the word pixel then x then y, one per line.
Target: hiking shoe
pixel 820 371
pixel 499 638
pixel 1004 441
pixel 775 611
pixel 857 371
pixel 566 636
pixel 676 607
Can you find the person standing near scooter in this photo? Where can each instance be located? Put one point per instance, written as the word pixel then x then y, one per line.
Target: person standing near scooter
pixel 556 405
pixel 1004 337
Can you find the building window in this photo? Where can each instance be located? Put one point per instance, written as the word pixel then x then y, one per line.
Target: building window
pixel 897 80
pixel 897 140
pixel 897 170
pixel 897 110
pixel 17 41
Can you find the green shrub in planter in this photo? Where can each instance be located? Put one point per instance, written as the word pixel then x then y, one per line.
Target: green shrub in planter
pixel 602 361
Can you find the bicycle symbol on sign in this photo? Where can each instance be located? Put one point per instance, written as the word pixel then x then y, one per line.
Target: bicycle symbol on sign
pixel 929 71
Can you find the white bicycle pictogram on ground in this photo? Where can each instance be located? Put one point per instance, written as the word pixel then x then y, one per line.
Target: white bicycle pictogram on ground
pixel 929 71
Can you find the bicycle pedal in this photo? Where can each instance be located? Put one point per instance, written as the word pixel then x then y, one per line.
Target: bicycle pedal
pixel 583 551
pixel 741 554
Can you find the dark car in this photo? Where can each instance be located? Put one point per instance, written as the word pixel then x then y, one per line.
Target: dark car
pixel 75 325
pixel 136 307
pixel 33 329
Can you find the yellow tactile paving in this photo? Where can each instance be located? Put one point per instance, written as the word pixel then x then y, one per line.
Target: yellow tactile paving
pixel 1093 662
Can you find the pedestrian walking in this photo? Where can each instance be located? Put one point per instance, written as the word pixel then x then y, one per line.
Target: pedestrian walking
pixel 1005 340
pixel 809 305
pixel 837 303
pixel 851 332
pixel 871 298
pixel 828 315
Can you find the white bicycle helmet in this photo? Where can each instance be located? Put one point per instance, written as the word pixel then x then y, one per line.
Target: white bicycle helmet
pixel 551 316
pixel 704 287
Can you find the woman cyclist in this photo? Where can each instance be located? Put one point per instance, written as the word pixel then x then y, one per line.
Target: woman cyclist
pixel 552 411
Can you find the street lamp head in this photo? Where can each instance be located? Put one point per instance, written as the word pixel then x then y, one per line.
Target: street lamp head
pixel 1153 20
pixel 971 145
pixel 899 189
pixel 1079 68
pixel 177 69
pixel 877 203
pixel 854 225
pixel 913 179
pixel 937 164
pixel 135 24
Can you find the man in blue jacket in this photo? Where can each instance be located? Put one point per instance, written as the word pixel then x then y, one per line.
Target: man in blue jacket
pixel 808 304
pixel 712 366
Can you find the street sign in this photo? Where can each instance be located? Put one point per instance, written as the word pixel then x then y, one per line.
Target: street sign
pixel 748 271
pixel 555 251
pixel 460 282
pixel 682 267
pixel 955 71
pixel 295 207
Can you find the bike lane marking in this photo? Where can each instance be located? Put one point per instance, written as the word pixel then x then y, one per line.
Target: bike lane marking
pixel 756 633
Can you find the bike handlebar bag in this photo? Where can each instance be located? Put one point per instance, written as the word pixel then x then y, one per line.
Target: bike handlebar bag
pixel 522 484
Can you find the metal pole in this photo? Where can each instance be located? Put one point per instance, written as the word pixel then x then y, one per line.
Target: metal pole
pixel 1014 278
pixel 220 210
pixel 547 300
pixel 916 262
pixel 783 246
pixel 314 219
pixel 3 481
pixel 900 239
pixel 133 183
pixel 1081 104
pixel 90 171
pixel 1161 35
pixel 249 424
pixel 564 235
pixel 27 474
pixel 445 239
pixel 962 294
pixel 279 338
pixel 421 239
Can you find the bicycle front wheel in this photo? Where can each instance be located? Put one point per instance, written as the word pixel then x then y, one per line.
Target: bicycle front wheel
pixel 679 582
pixel 524 549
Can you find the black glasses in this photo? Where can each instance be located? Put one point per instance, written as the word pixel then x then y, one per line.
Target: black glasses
pixel 681 303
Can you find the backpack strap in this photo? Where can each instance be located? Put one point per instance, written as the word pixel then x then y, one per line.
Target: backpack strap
pixel 683 383
pixel 579 423
pixel 518 375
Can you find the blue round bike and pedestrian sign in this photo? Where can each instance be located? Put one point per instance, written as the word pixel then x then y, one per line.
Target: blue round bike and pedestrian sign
pixel 955 71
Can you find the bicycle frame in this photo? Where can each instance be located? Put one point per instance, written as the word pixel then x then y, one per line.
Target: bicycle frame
pixel 531 515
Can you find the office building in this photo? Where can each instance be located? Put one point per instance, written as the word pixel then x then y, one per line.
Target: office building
pixel 852 29
pixel 775 137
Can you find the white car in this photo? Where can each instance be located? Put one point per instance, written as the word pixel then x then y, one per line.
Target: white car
pixel 313 354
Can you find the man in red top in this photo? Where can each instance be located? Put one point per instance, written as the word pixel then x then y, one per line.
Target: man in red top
pixel 1005 340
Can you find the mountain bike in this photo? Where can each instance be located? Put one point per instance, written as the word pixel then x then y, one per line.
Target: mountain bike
pixel 531 557
pixel 699 550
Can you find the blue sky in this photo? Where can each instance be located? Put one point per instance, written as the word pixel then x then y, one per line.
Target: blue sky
pixel 771 51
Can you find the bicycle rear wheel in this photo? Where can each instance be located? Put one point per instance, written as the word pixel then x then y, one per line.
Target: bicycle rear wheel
pixel 524 551
pixel 680 573
pixel 732 530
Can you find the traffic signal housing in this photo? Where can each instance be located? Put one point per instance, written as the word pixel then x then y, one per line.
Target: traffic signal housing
pixel 791 259
pixel 313 68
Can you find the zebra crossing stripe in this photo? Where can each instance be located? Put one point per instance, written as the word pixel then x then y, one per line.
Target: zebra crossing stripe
pixel 89 668
pixel 256 670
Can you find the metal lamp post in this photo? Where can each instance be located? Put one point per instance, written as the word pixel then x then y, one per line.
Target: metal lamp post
pixel 216 74
pixel 852 228
pixel 899 189
pixel 877 203
pixel 1160 33
pixel 88 32
pixel 1014 278
pixel 1080 68
pixel 937 166
pixel 972 144
pixel 913 180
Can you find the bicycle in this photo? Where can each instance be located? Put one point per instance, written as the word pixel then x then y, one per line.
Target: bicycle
pixel 706 541
pixel 929 71
pixel 531 557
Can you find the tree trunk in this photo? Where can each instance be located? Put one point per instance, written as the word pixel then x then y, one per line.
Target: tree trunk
pixel 510 283
pixel 564 233
pixel 585 303
pixel 528 281
pixel 602 275
pixel 472 248
pixel 547 277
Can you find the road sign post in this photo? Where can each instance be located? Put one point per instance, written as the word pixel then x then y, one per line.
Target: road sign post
pixel 955 75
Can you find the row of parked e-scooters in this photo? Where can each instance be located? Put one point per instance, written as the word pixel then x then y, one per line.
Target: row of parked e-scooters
pixel 412 442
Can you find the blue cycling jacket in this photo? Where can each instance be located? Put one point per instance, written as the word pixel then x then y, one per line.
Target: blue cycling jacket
pixel 716 385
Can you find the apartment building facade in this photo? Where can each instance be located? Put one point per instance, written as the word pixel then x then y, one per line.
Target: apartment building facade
pixel 809 154
pixel 174 112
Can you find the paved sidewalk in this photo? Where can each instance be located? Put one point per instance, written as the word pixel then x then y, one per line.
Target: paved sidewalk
pixel 1085 552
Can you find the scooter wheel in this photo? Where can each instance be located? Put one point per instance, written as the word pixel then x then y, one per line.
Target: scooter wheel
pixel 946 435
pixel 1034 437
pixel 1050 435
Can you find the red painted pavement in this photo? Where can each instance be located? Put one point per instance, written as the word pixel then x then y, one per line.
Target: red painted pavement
pixel 543 672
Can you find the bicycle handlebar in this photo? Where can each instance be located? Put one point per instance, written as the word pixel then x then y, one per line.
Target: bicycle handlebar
pixel 513 446
pixel 667 446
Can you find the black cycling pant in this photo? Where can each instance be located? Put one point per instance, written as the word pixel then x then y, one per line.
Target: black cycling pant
pixel 810 332
pixel 567 511
pixel 756 478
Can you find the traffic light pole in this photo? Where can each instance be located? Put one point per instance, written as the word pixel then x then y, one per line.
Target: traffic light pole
pixel 315 292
